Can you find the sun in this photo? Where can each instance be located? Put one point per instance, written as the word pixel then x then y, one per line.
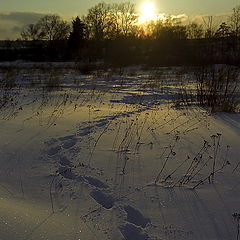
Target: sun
pixel 148 11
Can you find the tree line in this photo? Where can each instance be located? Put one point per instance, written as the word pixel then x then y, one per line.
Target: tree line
pixel 110 21
pixel 112 32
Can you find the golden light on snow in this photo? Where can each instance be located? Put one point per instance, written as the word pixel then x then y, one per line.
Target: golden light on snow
pixel 148 12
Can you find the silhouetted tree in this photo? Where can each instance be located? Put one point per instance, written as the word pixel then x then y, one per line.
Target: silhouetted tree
pixel 235 21
pixel 109 21
pixel 97 21
pixel 209 26
pixel 50 27
pixel 123 18
pixel 32 32
pixel 168 30
pixel 145 30
pixel 54 28
pixel 77 36
pixel 110 32
pixel 169 42
pixel 194 31
pixel 223 31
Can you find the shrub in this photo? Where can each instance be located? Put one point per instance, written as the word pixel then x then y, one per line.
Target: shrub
pixel 217 87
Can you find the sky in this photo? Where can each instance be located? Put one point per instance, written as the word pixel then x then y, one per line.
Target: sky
pixel 14 14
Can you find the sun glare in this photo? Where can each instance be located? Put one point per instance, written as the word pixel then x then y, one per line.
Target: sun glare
pixel 148 12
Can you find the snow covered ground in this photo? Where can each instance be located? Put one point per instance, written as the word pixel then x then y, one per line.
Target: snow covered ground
pixel 111 155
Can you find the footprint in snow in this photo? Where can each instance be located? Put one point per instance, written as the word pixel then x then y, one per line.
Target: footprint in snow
pixel 135 216
pixel 54 150
pixel 64 161
pixel 69 143
pixel 67 173
pixel 51 141
pixel 95 182
pixel 132 232
pixel 66 138
pixel 102 198
pixel 85 131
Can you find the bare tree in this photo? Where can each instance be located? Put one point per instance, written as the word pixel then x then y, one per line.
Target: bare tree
pixel 50 27
pixel 97 21
pixel 235 21
pixel 194 31
pixel 169 30
pixel 32 32
pixel 145 30
pixel 125 17
pixel 210 26
pixel 54 28
pixel 108 21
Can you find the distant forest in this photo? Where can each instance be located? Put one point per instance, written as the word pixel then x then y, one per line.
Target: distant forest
pixel 111 33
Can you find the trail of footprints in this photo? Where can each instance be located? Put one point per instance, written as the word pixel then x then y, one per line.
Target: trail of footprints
pixel 134 223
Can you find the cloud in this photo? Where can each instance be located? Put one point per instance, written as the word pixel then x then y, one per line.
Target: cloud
pixel 22 18
pixel 180 17
pixel 12 23
pixel 176 18
pixel 216 19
